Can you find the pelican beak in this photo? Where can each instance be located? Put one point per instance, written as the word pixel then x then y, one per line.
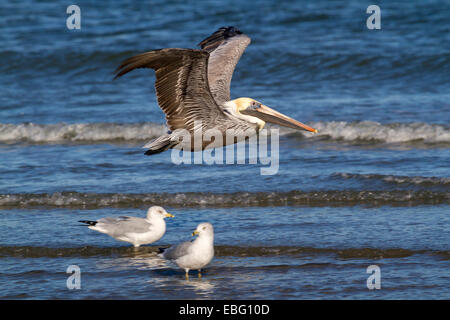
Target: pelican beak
pixel 195 233
pixel 269 115
pixel 169 215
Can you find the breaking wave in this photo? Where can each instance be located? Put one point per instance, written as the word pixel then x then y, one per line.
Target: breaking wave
pixel 370 131
pixel 364 131
pixel 80 132
pixel 399 180
pixel 220 251
pixel 236 199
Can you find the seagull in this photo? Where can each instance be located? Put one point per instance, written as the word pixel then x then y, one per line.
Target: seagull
pixel 193 90
pixel 193 254
pixel 137 231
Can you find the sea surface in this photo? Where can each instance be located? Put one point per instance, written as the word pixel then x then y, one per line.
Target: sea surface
pixel 372 188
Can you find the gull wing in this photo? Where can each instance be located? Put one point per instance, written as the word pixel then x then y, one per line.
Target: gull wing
pixel 123 225
pixel 178 251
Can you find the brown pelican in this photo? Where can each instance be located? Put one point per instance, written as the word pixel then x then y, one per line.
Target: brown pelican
pixel 193 90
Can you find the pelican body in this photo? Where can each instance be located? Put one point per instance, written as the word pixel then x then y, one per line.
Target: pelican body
pixel 193 90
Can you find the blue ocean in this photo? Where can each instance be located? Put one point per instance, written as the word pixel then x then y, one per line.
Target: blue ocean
pixel 371 188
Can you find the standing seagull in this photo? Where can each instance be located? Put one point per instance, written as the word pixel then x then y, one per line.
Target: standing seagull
pixel 196 254
pixel 137 231
pixel 193 90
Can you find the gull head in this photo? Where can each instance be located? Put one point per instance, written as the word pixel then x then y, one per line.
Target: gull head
pixel 204 228
pixel 158 212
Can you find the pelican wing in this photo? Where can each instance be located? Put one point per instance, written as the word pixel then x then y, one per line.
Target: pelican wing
pixel 225 47
pixel 181 85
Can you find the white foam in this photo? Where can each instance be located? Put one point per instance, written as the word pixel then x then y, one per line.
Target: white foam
pixel 388 133
pixel 236 199
pixel 413 180
pixel 334 130
pixel 61 132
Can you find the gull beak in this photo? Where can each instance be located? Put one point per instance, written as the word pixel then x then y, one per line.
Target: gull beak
pixel 169 215
pixel 195 233
pixel 269 115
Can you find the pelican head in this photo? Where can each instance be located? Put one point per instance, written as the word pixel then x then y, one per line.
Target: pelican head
pixel 255 112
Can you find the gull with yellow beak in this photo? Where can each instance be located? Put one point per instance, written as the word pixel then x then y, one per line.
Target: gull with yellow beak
pixel 193 90
pixel 137 231
pixel 193 254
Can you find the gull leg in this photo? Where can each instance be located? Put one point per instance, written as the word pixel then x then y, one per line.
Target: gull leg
pixel 199 273
pixel 187 274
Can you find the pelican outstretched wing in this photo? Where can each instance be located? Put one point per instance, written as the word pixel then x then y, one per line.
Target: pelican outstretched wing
pixel 181 85
pixel 225 47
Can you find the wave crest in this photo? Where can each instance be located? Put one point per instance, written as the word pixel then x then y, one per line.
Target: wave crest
pixel 79 132
pixel 370 131
pixel 236 199
pixel 364 131
pixel 221 251
pixel 399 180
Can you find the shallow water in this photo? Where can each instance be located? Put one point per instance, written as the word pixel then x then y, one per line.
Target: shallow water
pixel 371 188
pixel 281 250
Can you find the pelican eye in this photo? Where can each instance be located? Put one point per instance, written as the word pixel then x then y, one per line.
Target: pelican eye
pixel 255 105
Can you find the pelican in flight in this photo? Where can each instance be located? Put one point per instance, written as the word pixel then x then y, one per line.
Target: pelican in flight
pixel 193 90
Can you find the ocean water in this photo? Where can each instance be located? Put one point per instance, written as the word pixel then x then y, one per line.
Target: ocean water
pixel 371 188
